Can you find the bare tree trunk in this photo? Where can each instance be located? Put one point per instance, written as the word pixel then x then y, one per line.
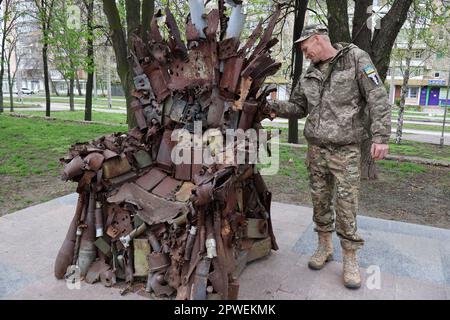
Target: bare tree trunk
pixel 95 84
pixel 384 38
pixel 55 89
pixel 406 75
pixel 368 168
pixel 361 34
pixel 297 62
pixel 398 137
pixel 147 16
pixel 2 69
pixel 119 41
pixel 68 87
pixel 103 88
pixel 10 89
pixel 77 78
pixel 338 20
pixel 90 57
pixel 71 93
pixel 120 49
pixel 46 77
pixel 108 84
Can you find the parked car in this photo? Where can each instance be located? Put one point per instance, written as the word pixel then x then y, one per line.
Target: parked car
pixel 27 91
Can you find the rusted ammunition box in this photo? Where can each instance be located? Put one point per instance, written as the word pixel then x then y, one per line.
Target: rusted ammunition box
pixel 143 159
pixel 103 246
pixel 141 252
pixel 256 228
pixel 259 249
pixel 115 167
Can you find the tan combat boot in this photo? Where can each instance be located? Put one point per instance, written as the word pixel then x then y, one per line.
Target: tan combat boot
pixel 352 277
pixel 324 252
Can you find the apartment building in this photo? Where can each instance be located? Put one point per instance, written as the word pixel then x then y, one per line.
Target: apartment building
pixel 427 86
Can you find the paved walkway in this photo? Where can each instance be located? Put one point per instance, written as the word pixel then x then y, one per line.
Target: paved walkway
pixel 414 260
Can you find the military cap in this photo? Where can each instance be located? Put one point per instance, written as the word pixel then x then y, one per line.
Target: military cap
pixel 311 30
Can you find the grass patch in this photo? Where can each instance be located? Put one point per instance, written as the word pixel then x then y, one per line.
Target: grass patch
pixel 406 148
pixel 292 166
pixel 33 146
pixel 401 169
pixel 419 149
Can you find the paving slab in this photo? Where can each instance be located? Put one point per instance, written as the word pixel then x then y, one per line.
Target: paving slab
pixel 398 261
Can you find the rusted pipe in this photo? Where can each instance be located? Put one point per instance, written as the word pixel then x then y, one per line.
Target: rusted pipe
pixel 221 252
pixel 66 252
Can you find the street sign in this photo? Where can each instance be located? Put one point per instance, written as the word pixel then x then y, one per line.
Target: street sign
pixel 436 82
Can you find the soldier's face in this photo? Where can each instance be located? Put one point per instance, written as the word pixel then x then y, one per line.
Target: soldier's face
pixel 311 48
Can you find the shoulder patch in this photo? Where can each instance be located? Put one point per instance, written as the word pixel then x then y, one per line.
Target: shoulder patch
pixel 372 74
pixel 369 70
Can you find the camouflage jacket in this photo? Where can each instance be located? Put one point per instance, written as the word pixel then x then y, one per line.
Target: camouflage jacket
pixel 338 102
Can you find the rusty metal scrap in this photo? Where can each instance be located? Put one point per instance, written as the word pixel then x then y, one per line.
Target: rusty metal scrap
pixel 181 230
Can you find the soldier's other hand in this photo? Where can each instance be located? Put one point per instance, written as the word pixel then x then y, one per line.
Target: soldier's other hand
pixel 272 108
pixel 379 151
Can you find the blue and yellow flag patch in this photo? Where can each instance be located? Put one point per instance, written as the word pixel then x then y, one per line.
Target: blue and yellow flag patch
pixel 372 74
pixel 369 70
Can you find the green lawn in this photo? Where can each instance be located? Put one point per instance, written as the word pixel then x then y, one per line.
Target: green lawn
pixel 418 149
pixel 114 118
pixel 292 166
pixel 33 146
pixel 30 149
pixel 407 148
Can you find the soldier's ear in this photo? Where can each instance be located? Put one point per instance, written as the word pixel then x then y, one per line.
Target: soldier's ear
pixel 317 39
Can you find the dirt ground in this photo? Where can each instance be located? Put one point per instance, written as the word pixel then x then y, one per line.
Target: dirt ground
pixel 421 198
pixel 17 193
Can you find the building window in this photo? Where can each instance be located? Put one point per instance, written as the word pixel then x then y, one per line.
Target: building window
pixel 441 35
pixel 418 54
pixel 413 92
pixel 437 74
pixel 416 71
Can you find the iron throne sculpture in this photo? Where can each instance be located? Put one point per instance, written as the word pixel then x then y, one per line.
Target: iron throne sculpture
pixel 179 230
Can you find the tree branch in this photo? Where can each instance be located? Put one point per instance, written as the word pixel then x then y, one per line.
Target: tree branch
pixel 384 38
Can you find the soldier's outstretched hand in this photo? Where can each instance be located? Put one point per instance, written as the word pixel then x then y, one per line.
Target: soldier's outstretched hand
pixel 379 151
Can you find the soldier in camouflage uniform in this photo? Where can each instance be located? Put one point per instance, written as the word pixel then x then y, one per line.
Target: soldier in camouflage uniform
pixel 338 90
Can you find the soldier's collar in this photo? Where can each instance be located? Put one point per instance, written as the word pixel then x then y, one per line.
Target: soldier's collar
pixel 342 48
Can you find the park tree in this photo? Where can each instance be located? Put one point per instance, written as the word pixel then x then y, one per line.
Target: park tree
pixel 424 18
pixel 298 9
pixel 125 18
pixel 89 6
pixel 44 15
pixel 9 20
pixel 66 45
pixel 10 54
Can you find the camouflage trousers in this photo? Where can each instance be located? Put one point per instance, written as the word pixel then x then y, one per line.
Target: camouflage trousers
pixel 334 173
